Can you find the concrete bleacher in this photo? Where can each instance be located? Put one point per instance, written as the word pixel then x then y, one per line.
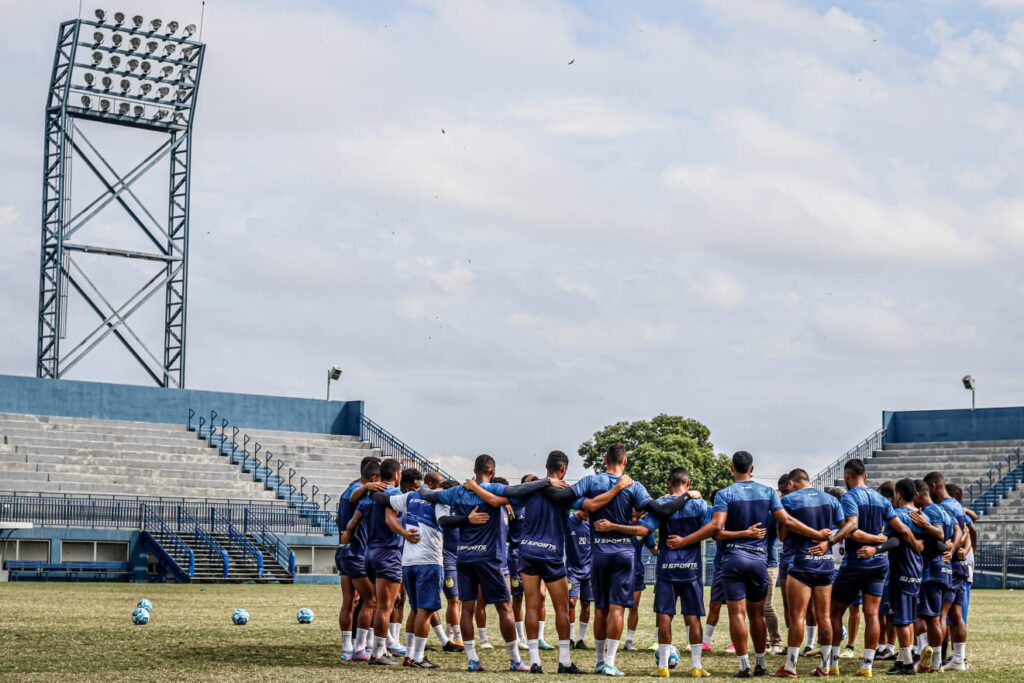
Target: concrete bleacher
pixel 961 462
pixel 110 457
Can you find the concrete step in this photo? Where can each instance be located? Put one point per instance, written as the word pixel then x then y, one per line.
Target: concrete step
pixel 126 477
pixel 932 445
pixel 926 456
pixel 170 454
pixel 294 437
pixel 97 441
pixel 207 463
pixel 68 431
pixel 81 422
pixel 148 491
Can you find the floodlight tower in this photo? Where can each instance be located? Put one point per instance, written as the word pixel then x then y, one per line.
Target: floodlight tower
pixel 137 75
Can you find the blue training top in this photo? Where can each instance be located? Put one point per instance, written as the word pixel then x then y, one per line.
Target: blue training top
pixel 577 547
pixel 905 564
pixel 679 564
pixel 346 508
pixel 618 511
pixel 477 542
pixel 956 511
pixel 378 535
pixel 543 528
pixel 937 570
pixel 746 503
pixel 818 510
pixel 873 512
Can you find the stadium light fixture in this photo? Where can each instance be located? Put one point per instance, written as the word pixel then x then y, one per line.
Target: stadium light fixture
pixel 146 66
pixel 107 82
pixel 969 385
pixel 97 58
pixel 123 108
pixel 133 64
pixel 117 39
pixel 145 88
pixel 135 42
pixel 137 21
pixel 97 37
pixel 100 15
pixel 152 46
pixel 169 49
pixel 125 85
pixel 139 111
pixel 86 101
pixel 333 374
pixel 189 30
pixel 90 78
pixel 115 62
pixel 163 91
pixel 166 71
pixel 155 25
pixel 172 27
pixel 118 18
pixel 105 105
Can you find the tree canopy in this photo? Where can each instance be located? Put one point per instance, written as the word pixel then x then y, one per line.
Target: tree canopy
pixel 658 445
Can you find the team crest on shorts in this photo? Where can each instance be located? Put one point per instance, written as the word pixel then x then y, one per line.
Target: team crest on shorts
pixel 570 585
pixel 515 583
pixel 449 582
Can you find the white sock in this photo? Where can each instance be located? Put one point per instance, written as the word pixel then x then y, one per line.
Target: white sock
pixel 441 635
pixel 456 632
pixel 379 648
pixel 922 643
pixel 583 630
pixel 759 659
pixel 662 656
pixel 599 651
pixel 470 646
pixel 360 643
pixel 812 635
pixel 563 653
pixel 630 635
pixel 346 641
pixel 540 630
pixel 869 658
pixel 792 655
pixel 936 658
pixel 959 652
pixel 408 642
pixel 418 646
pixel 572 631
pixel 513 651
pixel 695 656
pixel 394 634
pixel 611 647
pixel 482 634
pixel 826 657
pixel 709 630
pixel 521 630
pixel 744 661
pixel 534 651
pixel 906 656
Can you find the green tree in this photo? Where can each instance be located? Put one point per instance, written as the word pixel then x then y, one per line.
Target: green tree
pixel 656 446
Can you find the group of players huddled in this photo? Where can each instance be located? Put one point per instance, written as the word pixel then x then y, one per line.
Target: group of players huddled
pixel 898 554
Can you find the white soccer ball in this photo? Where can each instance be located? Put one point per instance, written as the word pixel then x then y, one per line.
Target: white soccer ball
pixel 673 657
pixel 140 616
pixel 145 604
pixel 240 617
pixel 305 616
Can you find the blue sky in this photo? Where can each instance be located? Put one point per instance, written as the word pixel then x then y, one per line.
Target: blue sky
pixel 778 217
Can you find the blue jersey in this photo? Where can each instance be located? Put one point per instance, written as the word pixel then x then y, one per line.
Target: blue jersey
pixel 577 547
pixel 772 538
pixel 378 534
pixel 679 564
pixel 543 528
pixel 936 569
pixel 905 564
pixel 346 508
pixel 618 511
pixel 818 510
pixel 515 524
pixel 477 542
pixel 873 512
pixel 746 503
pixel 961 519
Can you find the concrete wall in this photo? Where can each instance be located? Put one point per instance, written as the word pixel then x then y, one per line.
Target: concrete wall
pixel 68 398
pixel 983 424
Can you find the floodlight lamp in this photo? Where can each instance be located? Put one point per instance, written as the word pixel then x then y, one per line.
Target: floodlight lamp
pixel 172 27
pixel 117 39
pixel 135 43
pixel 139 111
pixel 100 15
pixel 155 25
pixel 125 85
pixel 115 61
pixel 160 114
pixel 182 94
pixel 105 105
pixel 146 66
pixel 97 37
pixel 166 71
pixel 335 372
pixel 151 46
pixel 123 108
pixel 86 101
pixel 163 91
pixel 184 73
pixel 189 30
pixel 107 82
pixel 89 78
pixel 145 88
pixel 97 57
pixel 133 64
pixel 179 117
pixel 118 18
pixel 169 49
pixel 968 381
pixel 137 20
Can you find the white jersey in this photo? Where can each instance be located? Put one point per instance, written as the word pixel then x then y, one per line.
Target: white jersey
pixel 969 561
pixel 424 517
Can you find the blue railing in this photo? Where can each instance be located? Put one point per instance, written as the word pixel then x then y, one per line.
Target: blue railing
pixel 214 550
pixel 864 450
pixel 221 524
pixel 993 486
pixel 391 446
pixel 269 541
pixel 172 549
pixel 125 512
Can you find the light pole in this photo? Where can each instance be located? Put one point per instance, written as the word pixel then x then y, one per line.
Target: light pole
pixel 969 385
pixel 333 373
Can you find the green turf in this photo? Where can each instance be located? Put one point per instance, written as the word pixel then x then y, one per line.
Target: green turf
pixel 84 632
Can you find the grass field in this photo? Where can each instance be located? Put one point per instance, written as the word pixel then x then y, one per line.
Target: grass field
pixel 84 632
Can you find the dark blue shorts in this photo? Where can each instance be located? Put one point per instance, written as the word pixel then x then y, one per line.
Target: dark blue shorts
pixel 745 577
pixel 384 563
pixel 355 565
pixel 956 592
pixel 423 586
pixel 339 558
pixel 902 607
pixel 613 579
pixel 451 583
pixel 689 595
pixel 717 587
pixel 929 600
pixel 485 577
pixel 812 579
pixel 580 587
pixel 549 571
pixel 851 582
pixel 639 582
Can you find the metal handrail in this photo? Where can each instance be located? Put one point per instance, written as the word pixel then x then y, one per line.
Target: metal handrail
pixel 203 537
pixel 391 446
pixel 282 553
pixel 975 492
pixel 864 450
pixel 175 549
pixel 220 523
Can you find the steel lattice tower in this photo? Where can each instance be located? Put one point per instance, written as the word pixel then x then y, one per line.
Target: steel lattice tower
pixel 129 75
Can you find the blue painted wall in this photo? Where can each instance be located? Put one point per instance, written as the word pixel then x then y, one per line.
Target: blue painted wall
pixel 983 424
pixel 68 398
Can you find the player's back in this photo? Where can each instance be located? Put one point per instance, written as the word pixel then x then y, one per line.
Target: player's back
pixel 543 529
pixel 906 564
pixel 747 503
pixel 618 511
pixel 873 512
pixel 685 562
pixel 477 542
pixel 378 533
pixel 818 510
pixel 577 547
pixel 346 508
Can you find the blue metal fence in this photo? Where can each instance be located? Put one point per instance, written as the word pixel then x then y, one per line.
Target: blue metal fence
pixel 864 450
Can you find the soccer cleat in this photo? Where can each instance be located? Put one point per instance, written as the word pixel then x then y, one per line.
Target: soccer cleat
pixel 570 669
pixel 819 672
pixel 518 667
pixel 452 646
pixel 783 672
pixel 699 673
pixel 924 665
pixel 361 656
pixel 629 646
pixel 397 651
pixel 847 653
pixel 345 656
pixel 705 647
pixel 382 661
pixel 730 649
pixel 900 669
pixel 653 647
pixel 580 645
pixel 545 645
pixel 523 645
pixel 743 673
pixel 610 670
pixel 536 669
pixel 410 663
pixel 474 666
pixel 834 670
pixel 954 665
pixel 598 668
pixel 485 645
pixel 427 664
pixel 776 650
pixel 760 671
pixel 864 673
pixel 660 673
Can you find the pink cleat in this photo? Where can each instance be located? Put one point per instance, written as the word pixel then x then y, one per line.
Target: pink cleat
pixel 731 649
pixel 705 647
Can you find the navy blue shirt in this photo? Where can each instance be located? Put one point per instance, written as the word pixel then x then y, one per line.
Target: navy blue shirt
pixel 478 542
pixel 874 512
pixel 346 508
pixel 905 564
pixel 543 527
pixel 773 543
pixel 679 564
pixel 956 511
pixel 577 547
pixel 818 510
pixel 746 503
pixel 378 534
pixel 618 511
pixel 936 569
